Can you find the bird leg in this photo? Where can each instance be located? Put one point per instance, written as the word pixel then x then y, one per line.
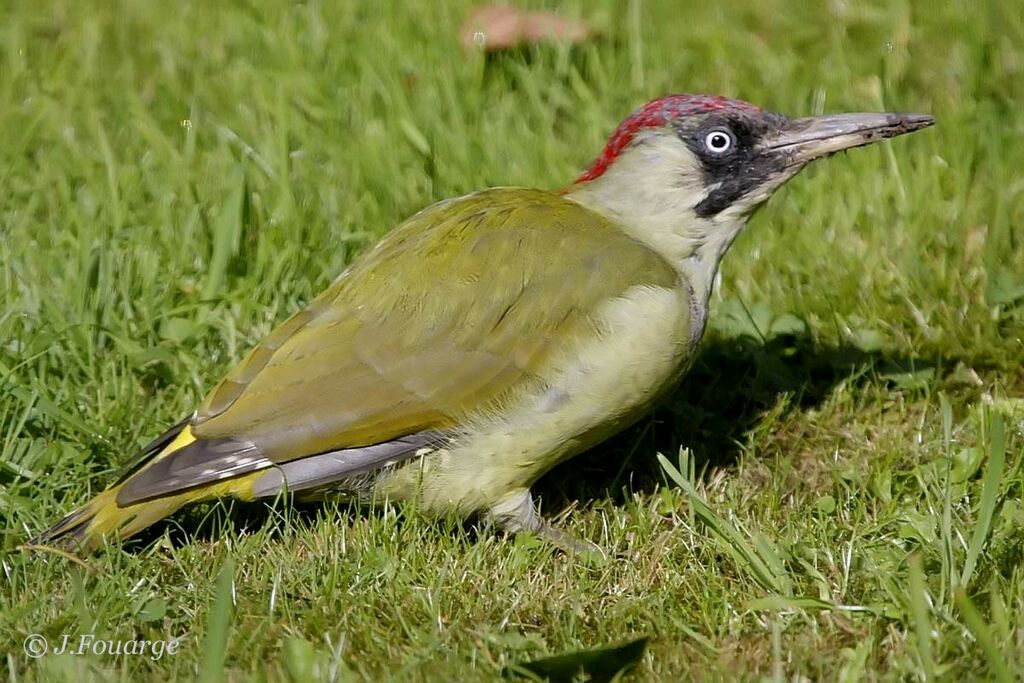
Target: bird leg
pixel 516 512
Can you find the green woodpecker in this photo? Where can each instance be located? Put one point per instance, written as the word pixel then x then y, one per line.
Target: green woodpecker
pixel 490 337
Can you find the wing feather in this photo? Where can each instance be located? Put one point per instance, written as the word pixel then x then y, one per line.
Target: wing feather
pixel 491 285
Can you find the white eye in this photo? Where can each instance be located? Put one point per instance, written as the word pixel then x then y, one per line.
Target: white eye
pixel 718 141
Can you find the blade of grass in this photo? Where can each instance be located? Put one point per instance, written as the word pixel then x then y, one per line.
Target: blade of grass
pixel 780 603
pixel 217 625
pixel 227 231
pixel 948 560
pixel 922 622
pixel 989 496
pixel 979 629
pixel 729 537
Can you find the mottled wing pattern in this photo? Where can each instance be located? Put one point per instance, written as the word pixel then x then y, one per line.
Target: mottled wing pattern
pixel 450 314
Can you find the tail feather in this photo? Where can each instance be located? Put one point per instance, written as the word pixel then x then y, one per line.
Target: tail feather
pixel 68 532
pixel 101 518
pixel 84 529
pixel 150 451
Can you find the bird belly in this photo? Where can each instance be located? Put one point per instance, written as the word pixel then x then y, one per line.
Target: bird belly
pixel 590 391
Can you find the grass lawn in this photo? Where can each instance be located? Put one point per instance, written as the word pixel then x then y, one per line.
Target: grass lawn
pixel 176 178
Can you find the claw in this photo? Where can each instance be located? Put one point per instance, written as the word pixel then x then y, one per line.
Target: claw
pixel 516 512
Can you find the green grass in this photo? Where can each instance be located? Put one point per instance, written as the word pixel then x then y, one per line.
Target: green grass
pixel 175 178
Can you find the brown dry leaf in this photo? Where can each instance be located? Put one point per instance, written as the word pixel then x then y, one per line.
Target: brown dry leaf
pixel 493 28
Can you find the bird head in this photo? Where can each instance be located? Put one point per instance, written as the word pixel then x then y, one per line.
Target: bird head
pixel 684 173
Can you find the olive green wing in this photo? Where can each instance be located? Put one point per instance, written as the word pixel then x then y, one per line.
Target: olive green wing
pixel 450 314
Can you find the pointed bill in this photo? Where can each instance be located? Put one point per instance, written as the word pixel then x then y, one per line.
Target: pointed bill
pixel 805 139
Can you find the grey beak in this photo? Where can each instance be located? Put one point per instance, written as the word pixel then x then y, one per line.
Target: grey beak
pixel 802 140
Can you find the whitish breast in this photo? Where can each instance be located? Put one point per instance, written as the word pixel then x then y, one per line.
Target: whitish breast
pixel 589 392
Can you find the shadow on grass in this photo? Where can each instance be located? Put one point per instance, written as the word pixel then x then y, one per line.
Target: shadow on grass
pixel 733 382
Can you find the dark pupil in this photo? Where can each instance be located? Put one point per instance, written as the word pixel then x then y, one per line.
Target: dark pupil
pixel 718 141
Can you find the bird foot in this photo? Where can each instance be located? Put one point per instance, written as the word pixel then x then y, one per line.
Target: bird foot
pixel 516 512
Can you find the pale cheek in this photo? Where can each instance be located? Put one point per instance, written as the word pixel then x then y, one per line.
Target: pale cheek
pixel 669 181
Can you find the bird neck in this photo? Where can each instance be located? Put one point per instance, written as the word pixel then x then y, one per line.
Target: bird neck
pixel 662 217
